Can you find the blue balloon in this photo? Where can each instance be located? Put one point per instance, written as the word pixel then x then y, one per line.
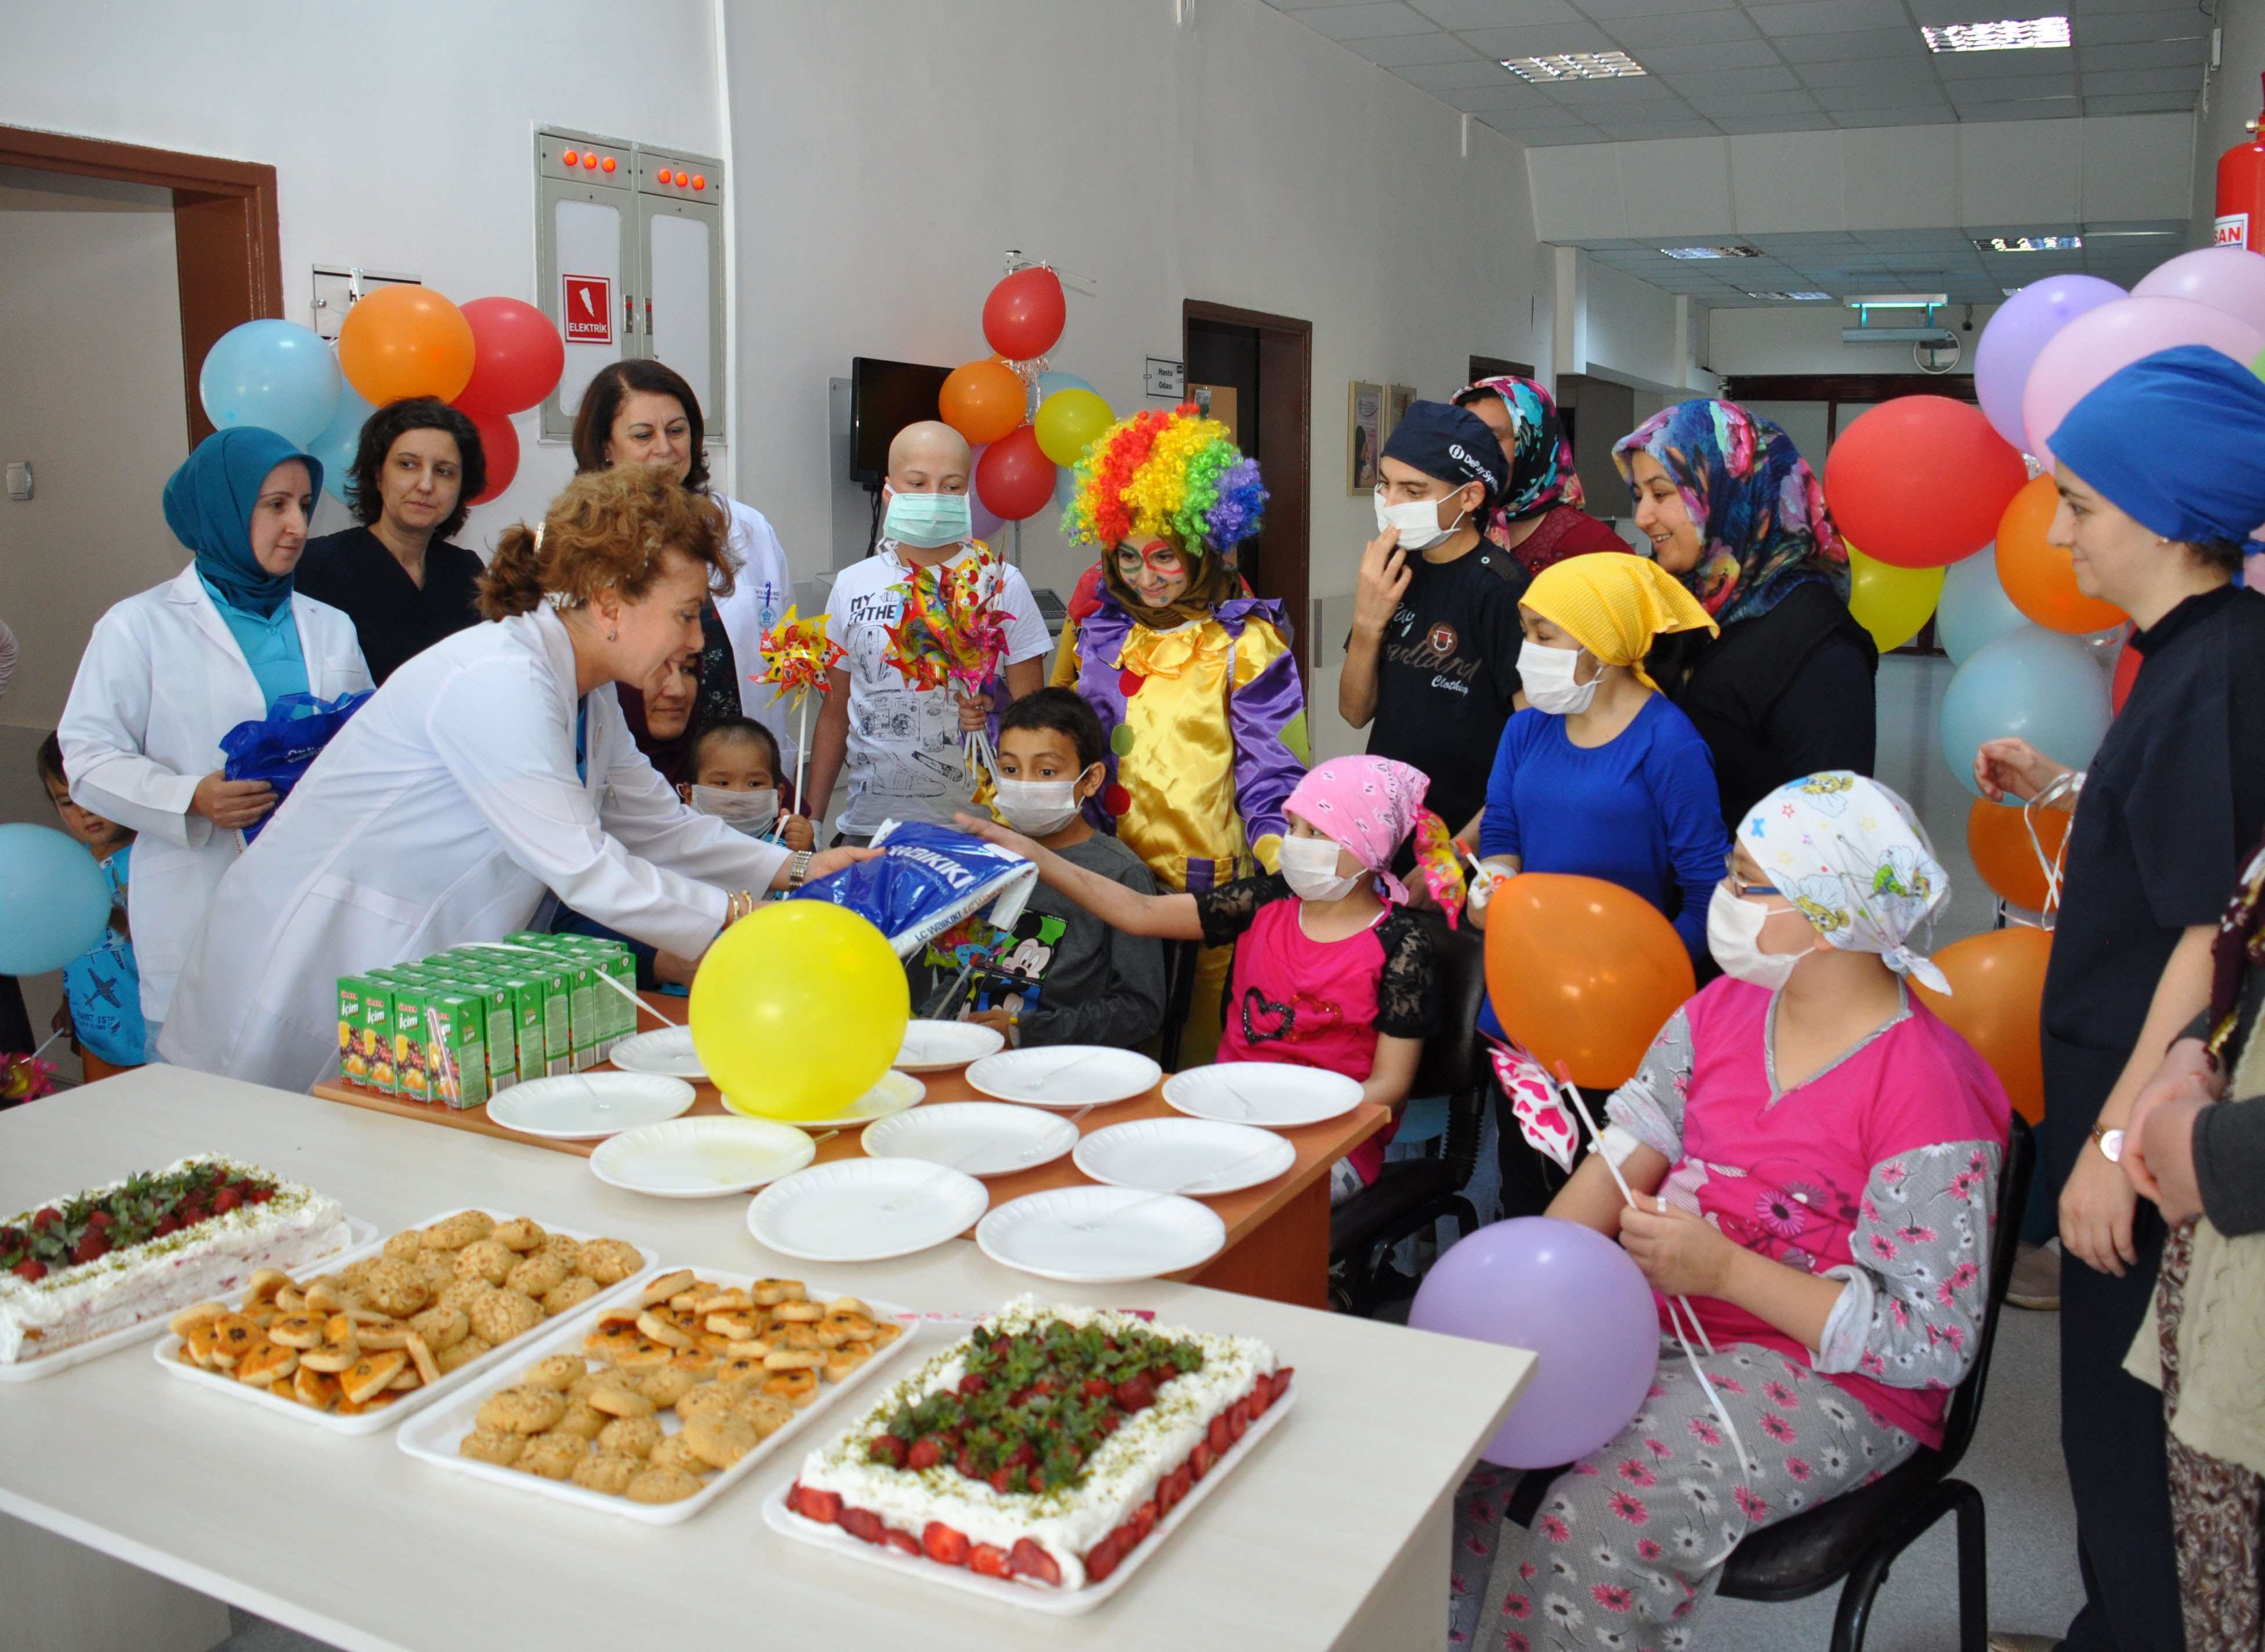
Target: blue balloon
pixel 1974 608
pixel 54 903
pixel 1049 382
pixel 2032 684
pixel 275 374
pixel 339 441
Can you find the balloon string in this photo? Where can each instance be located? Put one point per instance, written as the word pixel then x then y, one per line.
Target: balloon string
pixel 2071 783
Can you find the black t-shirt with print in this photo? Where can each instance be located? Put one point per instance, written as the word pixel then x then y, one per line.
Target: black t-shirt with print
pixel 1446 673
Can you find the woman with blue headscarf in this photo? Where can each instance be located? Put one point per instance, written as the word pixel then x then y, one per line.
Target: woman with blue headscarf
pixel 1785 689
pixel 168 672
pixel 2161 471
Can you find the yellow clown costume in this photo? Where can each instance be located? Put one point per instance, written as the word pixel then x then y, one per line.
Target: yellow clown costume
pixel 1201 701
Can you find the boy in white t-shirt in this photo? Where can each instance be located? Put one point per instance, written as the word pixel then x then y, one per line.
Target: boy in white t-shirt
pixel 902 745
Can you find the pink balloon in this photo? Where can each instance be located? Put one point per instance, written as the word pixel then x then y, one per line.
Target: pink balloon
pixel 2085 352
pixel 2231 279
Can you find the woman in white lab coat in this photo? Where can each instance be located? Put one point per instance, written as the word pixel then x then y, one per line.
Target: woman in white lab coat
pixel 168 672
pixel 491 767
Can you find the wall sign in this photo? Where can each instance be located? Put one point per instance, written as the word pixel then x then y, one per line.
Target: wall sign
pixel 1166 377
pixel 587 313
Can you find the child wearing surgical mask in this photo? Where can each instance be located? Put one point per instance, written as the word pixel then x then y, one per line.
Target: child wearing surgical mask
pixel 1060 975
pixel 735 777
pixel 1331 970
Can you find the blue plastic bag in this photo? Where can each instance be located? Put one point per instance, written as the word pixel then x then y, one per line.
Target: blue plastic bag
pixel 279 746
pixel 926 879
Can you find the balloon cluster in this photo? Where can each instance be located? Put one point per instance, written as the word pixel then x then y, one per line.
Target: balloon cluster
pixel 489 358
pixel 990 402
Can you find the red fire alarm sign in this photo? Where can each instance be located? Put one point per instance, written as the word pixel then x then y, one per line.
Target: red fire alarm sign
pixel 589 308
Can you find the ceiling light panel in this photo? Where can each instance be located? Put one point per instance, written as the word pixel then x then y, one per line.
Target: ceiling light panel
pixel 1575 66
pixel 2029 243
pixel 2011 34
pixel 1688 253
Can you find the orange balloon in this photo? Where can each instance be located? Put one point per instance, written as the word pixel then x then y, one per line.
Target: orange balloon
pixel 1997 999
pixel 1998 841
pixel 2037 575
pixel 405 340
pixel 1584 972
pixel 982 401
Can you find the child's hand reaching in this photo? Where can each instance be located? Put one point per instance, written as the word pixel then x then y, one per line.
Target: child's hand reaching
pixel 991 831
pixel 797 832
pixel 999 1021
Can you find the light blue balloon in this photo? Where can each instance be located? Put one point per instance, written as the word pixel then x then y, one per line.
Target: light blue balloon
pixel 54 903
pixel 1049 382
pixel 276 374
pixel 339 441
pixel 2031 684
pixel 1974 608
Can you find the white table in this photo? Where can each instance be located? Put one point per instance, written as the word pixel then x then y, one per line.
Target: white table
pixel 1334 1533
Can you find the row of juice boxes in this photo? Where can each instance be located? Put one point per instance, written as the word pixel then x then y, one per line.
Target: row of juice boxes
pixel 461 1025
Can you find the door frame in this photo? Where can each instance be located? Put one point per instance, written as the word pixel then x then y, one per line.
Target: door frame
pixel 1285 433
pixel 226 239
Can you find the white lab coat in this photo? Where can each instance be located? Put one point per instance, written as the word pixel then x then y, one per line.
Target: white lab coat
pixel 761 594
pixel 161 680
pixel 439 816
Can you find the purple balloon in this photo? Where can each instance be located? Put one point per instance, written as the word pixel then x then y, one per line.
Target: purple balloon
pixel 1579 1302
pixel 2231 279
pixel 987 522
pixel 2082 355
pixel 2023 325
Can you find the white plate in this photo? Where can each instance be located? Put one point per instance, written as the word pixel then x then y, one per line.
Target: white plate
pixel 1065 1075
pixel 982 1139
pixel 939 1046
pixel 666 1052
pixel 417 1399
pixel 1096 1236
pixel 1060 1603
pixel 893 1093
pixel 359 1236
pixel 584 1106
pixel 700 1158
pixel 1268 1093
pixel 1194 1156
pixel 433 1436
pixel 864 1210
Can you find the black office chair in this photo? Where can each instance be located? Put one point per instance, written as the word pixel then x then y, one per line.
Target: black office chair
pixel 1180 960
pixel 1857 1535
pixel 1410 1195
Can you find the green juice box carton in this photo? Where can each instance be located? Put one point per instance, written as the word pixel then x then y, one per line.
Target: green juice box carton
pixel 376 1043
pixel 614 1014
pixel 354 1059
pixel 558 983
pixel 526 1056
pixel 455 1048
pixel 619 964
pixel 582 991
pixel 413 1073
pixel 499 1025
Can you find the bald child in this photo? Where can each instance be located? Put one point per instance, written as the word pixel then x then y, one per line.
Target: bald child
pixel 899 747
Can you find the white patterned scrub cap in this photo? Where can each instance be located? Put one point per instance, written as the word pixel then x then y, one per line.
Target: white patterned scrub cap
pixel 1854 861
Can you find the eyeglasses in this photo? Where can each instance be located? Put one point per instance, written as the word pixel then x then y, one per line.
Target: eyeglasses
pixel 1737 885
pixel 1163 559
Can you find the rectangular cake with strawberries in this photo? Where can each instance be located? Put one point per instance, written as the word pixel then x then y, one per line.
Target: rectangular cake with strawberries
pixel 1044 1445
pixel 83 1266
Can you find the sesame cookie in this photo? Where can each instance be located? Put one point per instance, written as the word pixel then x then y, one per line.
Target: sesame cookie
pixel 501 1315
pixel 523 1408
pixel 554 1455
pixel 457 1357
pixel 632 1436
pixel 610 1260
pixel 454 1232
pixel 570 1293
pixel 668 1385
pixel 581 1421
pixel 441 1328
pixel 521 1233
pixel 534 1275
pixel 620 1399
pixel 561 1372
pixel 485 1260
pixel 720 1439
pixel 662 1485
pixel 608 1471
pixel 492 1445
pixel 672 1453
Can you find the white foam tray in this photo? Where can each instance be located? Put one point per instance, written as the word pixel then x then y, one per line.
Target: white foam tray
pixel 433 1436
pixel 417 1399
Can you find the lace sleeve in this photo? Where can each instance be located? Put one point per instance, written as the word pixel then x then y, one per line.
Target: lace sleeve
pixel 1227 910
pixel 1911 1314
pixel 1406 1006
pixel 1649 1106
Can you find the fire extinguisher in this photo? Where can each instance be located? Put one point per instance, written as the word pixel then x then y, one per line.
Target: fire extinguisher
pixel 2241 192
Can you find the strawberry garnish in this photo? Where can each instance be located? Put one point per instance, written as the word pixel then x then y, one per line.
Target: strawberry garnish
pixel 988 1559
pixel 944 1543
pixel 30 1267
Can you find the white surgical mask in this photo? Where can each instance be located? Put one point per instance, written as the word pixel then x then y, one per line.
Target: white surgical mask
pixel 1038 808
pixel 1417 520
pixel 1545 674
pixel 753 812
pixel 927 521
pixel 1309 866
pixel 1734 935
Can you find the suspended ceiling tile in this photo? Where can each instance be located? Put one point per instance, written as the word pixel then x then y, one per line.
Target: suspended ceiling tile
pixel 1472 73
pixel 1640 131
pixel 2011 88
pixel 1364 22
pixel 1479 14
pixel 1851 47
pixel 1817 16
pixel 1596 95
pixel 2140 103
pixel 1860 119
pixel 2138 25
pixel 1641 34
pixel 2184 78
pixel 1538 40
pixel 1673 60
pixel 2042 109
pixel 1723 82
pixel 1619 11
pixel 1870 72
pixel 1759 102
pixel 1409 51
pixel 2156 53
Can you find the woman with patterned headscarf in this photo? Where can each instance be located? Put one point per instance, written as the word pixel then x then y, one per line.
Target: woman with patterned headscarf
pixel 1734 513
pixel 1539 519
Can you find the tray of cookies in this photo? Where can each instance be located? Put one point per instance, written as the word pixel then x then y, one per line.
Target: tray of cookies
pixel 398 1323
pixel 651 1407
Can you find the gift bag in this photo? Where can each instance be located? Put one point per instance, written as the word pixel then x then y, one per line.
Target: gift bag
pixel 926 879
pixel 279 746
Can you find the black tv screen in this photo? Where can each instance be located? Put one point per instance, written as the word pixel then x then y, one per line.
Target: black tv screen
pixel 885 397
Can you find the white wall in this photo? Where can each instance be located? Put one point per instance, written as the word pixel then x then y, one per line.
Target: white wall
pixel 1806 338
pixel 402 131
pixel 1242 159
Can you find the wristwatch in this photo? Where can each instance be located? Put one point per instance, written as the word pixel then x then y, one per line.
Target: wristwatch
pixel 799 867
pixel 2110 1143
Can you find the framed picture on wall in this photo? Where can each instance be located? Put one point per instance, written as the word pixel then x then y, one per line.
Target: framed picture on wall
pixel 1363 435
pixel 1396 398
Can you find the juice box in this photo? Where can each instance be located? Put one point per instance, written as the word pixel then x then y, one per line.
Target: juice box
pixel 353 1060
pixel 525 1055
pixel 412 1075
pixel 557 981
pixel 540 939
pixel 499 1030
pixel 376 1047
pixel 456 1049
pixel 621 964
pixel 614 1014
pixel 583 992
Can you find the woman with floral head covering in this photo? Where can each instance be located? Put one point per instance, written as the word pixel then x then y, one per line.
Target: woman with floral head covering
pixel 1734 513
pixel 1539 519
pixel 1815 1161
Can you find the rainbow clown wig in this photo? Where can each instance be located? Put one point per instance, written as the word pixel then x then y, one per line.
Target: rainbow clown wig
pixel 1174 476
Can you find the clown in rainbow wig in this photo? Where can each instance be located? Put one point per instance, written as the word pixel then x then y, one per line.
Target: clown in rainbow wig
pixel 1192 677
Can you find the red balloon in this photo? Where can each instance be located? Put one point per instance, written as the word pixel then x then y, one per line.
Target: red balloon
pixel 1014 477
pixel 2127 673
pixel 517 356
pixel 1921 481
pixel 1025 314
pixel 499 447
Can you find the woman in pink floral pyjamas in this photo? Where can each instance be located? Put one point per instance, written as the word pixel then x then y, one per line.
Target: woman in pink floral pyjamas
pixel 1816 1159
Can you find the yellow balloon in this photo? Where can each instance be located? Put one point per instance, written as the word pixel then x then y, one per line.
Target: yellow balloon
pixel 798 1010
pixel 1067 422
pixel 1891 602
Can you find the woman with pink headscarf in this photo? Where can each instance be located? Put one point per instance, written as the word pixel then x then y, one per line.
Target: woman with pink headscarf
pixel 1539 519
pixel 1331 970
